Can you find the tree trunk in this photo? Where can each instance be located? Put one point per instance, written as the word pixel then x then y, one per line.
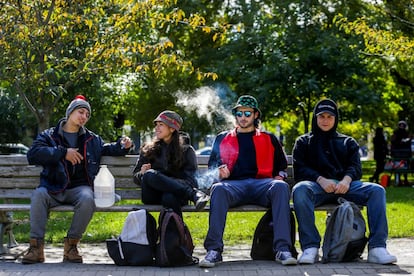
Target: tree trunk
pixel 43 122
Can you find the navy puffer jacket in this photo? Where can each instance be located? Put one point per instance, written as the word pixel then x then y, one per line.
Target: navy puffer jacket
pixel 48 150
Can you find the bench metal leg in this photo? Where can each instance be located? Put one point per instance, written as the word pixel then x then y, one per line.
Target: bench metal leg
pixel 12 240
pixel 3 227
pixel 6 227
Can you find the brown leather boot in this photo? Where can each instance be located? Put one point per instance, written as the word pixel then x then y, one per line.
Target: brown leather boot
pixel 71 253
pixel 35 253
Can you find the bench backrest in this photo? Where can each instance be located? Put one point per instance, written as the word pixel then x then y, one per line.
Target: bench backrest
pixel 18 179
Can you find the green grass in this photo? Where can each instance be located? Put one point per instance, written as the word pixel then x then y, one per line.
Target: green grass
pixel 240 225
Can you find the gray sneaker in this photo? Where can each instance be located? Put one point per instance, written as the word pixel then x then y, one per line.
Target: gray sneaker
pixel 380 255
pixel 212 258
pixel 309 256
pixel 285 258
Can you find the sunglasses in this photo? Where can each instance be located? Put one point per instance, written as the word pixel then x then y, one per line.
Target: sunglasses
pixel 247 114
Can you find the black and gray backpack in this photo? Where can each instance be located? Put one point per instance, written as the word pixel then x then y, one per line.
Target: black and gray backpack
pixel 344 239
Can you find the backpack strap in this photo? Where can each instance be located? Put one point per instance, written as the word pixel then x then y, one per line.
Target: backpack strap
pixel 121 253
pixel 163 222
pixel 328 233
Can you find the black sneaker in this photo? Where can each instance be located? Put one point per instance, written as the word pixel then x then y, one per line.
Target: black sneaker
pixel 200 199
pixel 212 258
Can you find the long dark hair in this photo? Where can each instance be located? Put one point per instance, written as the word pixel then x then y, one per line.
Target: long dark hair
pixel 152 150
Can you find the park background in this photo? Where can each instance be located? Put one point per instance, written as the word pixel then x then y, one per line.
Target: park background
pixel 133 59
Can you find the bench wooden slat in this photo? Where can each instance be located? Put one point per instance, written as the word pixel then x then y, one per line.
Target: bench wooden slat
pixel 19 171
pixel 18 180
pixel 26 193
pixel 9 160
pixel 152 208
pixel 31 183
pixel 19 183
pixel 127 160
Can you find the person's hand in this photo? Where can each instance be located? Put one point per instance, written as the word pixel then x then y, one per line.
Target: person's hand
pixel 329 185
pixel 224 172
pixel 145 167
pixel 126 142
pixel 343 186
pixel 73 156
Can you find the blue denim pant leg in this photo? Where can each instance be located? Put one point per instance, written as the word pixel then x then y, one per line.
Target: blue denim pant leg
pixel 278 194
pixel 265 192
pixel 222 196
pixel 307 195
pixel 373 197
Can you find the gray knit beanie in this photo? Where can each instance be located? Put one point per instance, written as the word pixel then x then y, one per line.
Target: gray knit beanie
pixel 78 102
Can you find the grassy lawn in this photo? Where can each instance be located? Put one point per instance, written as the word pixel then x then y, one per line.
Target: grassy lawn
pixel 239 228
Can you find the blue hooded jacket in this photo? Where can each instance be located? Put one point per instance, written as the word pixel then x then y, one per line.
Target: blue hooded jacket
pixel 48 150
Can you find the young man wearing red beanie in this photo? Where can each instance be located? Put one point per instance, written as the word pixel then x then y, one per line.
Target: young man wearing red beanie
pixel 69 154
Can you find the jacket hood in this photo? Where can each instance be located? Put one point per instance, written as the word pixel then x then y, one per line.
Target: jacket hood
pixel 329 106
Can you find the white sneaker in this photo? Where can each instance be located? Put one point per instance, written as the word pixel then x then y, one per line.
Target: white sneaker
pixel 309 256
pixel 380 255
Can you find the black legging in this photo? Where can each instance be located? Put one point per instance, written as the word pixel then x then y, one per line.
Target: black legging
pixel 158 188
pixel 379 168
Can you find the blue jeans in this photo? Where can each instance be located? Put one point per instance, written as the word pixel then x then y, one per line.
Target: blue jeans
pixel 265 192
pixel 81 198
pixel 308 194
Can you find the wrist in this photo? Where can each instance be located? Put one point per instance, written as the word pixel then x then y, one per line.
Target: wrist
pixel 283 175
pixel 319 179
pixel 347 179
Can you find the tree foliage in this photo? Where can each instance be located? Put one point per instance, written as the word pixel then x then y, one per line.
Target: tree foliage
pixel 389 44
pixel 55 49
pixel 133 59
pixel 13 119
pixel 290 54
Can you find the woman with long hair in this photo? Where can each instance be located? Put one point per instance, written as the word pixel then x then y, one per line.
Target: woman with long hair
pixel 167 165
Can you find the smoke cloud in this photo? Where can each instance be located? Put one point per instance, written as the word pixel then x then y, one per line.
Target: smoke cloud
pixel 206 102
pixel 207 178
pixel 214 104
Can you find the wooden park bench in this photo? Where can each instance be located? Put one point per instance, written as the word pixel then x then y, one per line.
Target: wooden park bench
pixel 18 179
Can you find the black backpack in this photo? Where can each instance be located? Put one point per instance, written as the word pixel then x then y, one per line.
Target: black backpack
pixel 136 244
pixel 262 246
pixel 344 239
pixel 175 246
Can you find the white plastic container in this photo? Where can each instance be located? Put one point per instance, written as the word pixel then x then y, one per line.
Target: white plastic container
pixel 104 188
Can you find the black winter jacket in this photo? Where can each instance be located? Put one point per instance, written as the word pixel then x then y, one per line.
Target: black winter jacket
pixel 346 160
pixel 185 174
pixel 329 154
